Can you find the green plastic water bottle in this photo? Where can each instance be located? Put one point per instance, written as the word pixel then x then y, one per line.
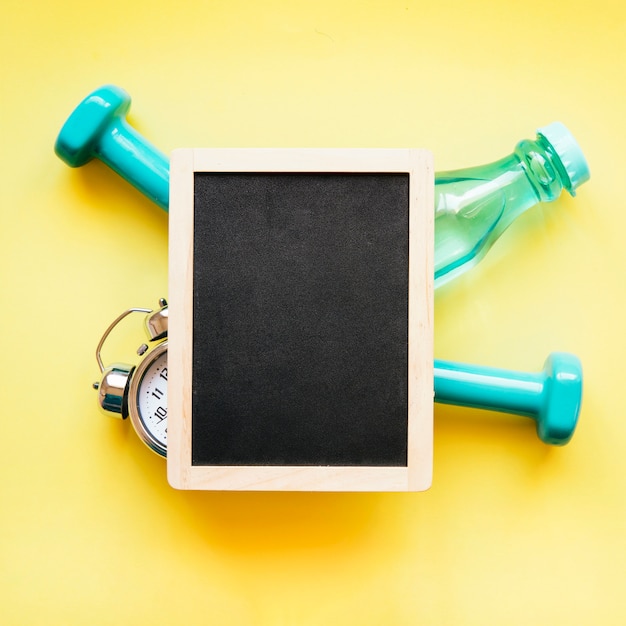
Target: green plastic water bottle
pixel 474 206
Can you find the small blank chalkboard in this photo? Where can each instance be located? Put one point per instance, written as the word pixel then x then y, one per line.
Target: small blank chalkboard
pixel 300 319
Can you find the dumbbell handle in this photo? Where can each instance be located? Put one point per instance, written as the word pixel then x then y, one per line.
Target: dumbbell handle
pixel 98 128
pixel 124 150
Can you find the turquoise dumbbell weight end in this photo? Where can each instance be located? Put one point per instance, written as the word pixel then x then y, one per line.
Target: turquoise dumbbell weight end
pixel 551 397
pixel 97 128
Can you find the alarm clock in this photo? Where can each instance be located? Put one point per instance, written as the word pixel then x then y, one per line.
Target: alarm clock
pixel 139 391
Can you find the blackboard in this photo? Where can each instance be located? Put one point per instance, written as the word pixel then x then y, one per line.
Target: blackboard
pixel 300 341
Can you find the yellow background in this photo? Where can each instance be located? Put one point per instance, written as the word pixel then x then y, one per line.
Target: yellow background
pixel 512 531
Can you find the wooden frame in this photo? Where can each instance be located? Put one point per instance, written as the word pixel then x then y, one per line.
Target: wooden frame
pixel 417 473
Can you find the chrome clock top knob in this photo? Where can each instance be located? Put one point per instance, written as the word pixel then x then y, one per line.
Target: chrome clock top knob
pixel 156 323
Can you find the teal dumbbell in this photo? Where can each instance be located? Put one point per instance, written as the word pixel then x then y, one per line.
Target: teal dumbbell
pixel 551 397
pixel 98 129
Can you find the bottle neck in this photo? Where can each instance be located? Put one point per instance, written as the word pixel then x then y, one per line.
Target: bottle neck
pixel 532 174
pixel 543 167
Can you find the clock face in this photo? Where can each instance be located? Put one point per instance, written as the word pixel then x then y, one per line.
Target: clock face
pixel 152 399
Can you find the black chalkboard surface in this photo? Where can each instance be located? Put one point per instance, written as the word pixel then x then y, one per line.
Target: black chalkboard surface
pixel 300 342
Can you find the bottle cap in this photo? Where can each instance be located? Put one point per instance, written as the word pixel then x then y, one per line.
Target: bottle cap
pixel 569 152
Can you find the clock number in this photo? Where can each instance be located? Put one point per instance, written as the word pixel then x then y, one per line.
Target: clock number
pixel 163 373
pixel 157 393
pixel 161 413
